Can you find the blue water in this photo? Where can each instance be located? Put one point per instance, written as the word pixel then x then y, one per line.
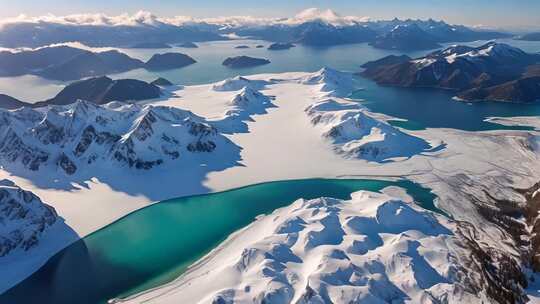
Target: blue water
pixel 421 107
pixel 156 244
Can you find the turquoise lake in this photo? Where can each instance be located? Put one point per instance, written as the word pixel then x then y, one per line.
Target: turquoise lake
pixel 156 244
pixel 423 108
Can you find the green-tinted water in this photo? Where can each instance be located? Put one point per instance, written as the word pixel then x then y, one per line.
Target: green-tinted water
pixel 156 244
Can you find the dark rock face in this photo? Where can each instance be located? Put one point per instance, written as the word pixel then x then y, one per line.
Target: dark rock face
pixel 406 37
pixel 492 71
pixel 280 46
pixel 241 47
pixel 101 90
pixel 162 82
pixel 25 34
pixel 388 60
pixel 169 61
pixel 24 216
pixel 65 63
pixel 71 137
pixel 521 90
pixel 10 103
pixel 188 45
pixel 260 46
pixel 244 62
pixel 151 45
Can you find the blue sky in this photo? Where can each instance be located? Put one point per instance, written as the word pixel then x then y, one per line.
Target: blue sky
pixel 500 13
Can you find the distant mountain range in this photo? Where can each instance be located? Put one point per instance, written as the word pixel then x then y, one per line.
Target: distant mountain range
pixel 493 71
pixel 244 62
pixel 326 30
pixel 68 63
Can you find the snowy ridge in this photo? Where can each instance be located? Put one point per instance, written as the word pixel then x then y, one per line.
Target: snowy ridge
pixel 356 134
pixel 237 83
pixel 23 218
pixel 371 249
pixel 82 134
pixel 331 82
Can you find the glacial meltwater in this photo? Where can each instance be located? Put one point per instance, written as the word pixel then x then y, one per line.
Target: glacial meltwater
pixel 156 244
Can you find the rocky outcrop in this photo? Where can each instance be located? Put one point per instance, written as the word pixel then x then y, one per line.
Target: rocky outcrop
pixel 65 63
pixel 525 89
pixel 23 218
pixel 244 62
pixel 162 82
pixel 168 61
pixel 280 46
pixel 10 103
pixel 72 137
pixel 492 71
pixel 406 37
pixel 102 90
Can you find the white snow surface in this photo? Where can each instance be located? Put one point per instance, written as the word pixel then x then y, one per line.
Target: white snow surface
pixel 373 248
pixel 274 138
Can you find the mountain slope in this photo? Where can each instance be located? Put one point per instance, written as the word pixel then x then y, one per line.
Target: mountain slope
pixel 457 67
pixel 101 90
pixel 65 63
pixel 23 218
pixel 373 248
pixel 73 137
pixel 406 37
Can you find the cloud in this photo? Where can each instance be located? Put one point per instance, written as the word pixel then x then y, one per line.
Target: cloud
pixel 143 18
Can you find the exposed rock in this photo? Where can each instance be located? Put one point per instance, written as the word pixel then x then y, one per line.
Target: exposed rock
pixel 10 103
pixel 169 61
pixel 492 71
pixel 162 82
pixel 280 46
pixel 244 62
pixel 23 218
pixel 406 37
pixel 101 90
pixel 65 63
pixel 77 135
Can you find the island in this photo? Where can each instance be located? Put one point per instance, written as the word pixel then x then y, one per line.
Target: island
pixel 244 62
pixel 241 47
pixel 169 61
pixel 280 46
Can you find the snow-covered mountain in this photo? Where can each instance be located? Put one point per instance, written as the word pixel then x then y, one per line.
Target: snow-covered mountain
pixel 23 218
pixel 330 82
pixel 354 133
pixel 457 67
pixel 406 37
pixel 237 83
pixel 373 248
pixel 240 109
pixel 81 134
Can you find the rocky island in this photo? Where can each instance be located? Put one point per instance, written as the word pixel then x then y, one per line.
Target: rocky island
pixel 169 61
pixel 280 46
pixel 244 62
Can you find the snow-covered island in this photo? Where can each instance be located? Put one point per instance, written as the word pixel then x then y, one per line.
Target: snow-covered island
pixel 109 160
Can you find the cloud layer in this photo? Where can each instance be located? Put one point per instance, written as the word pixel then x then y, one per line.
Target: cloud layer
pixel 143 18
